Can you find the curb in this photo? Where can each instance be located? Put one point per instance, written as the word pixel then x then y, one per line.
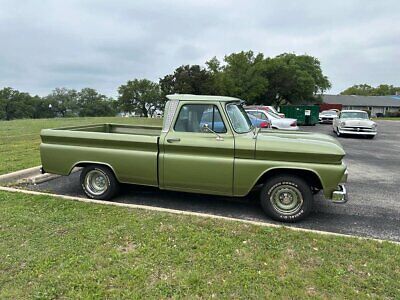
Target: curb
pixel 30 175
pixel 18 175
pixel 190 213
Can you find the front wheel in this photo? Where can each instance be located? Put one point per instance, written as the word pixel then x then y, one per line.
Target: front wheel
pixel 286 198
pixel 99 182
pixel 337 131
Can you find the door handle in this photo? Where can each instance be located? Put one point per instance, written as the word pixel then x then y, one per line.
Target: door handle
pixel 173 140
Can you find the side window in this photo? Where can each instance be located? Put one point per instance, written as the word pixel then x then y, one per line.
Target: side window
pixel 262 116
pixel 258 115
pixel 253 113
pixel 192 118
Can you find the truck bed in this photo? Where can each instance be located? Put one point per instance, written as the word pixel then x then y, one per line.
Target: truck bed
pixel 130 150
pixel 116 128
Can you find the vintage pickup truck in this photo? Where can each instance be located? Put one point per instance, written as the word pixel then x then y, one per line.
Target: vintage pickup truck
pixel 206 145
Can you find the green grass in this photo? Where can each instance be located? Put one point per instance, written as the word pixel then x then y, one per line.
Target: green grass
pixel 20 139
pixel 388 118
pixel 53 248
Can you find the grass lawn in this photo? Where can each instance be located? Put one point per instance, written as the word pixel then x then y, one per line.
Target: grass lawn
pixel 20 139
pixel 53 248
pixel 387 118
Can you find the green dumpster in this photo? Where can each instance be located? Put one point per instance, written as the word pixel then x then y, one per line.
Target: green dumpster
pixel 304 114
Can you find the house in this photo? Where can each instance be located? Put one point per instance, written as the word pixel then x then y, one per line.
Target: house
pixel 375 104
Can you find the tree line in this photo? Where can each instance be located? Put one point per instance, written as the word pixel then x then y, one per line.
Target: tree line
pixel 285 79
pixel 367 90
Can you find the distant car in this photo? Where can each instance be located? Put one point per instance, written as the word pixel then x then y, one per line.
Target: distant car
pixel 355 122
pixel 259 123
pixel 266 108
pixel 276 121
pixel 327 116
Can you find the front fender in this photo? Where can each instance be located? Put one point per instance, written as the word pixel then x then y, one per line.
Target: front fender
pixel 248 172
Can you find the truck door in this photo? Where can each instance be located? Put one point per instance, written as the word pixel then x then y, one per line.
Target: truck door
pixel 195 159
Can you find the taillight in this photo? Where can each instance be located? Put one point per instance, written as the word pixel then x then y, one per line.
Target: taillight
pixel 293 124
pixel 264 125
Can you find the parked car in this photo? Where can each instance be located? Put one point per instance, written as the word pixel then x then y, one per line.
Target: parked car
pixel 276 121
pixel 327 116
pixel 259 123
pixel 230 159
pixel 214 121
pixel 266 108
pixel 355 122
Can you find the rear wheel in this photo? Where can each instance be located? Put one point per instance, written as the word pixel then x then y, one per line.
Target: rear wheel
pixel 286 198
pixel 99 182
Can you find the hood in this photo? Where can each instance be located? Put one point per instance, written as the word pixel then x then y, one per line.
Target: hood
pixel 298 146
pixel 357 122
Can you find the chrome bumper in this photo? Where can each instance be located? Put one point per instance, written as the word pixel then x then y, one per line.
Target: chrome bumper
pixel 340 195
pixel 344 131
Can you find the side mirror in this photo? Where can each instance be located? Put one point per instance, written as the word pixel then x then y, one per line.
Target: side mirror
pixel 206 128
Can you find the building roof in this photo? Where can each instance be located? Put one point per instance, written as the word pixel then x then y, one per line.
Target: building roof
pixel 190 97
pixel 353 100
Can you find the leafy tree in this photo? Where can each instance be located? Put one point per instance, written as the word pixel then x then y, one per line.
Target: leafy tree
pixel 15 104
pixel 359 89
pixel 43 108
pixel 188 79
pixel 64 101
pixel 140 96
pixel 367 90
pixel 242 76
pixel 294 79
pixel 93 104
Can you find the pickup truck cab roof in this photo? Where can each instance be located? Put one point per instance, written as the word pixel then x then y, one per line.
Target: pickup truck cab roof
pixel 202 98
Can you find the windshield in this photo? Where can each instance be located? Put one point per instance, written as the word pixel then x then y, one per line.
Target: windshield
pixel 328 113
pixel 274 115
pixel 354 115
pixel 239 118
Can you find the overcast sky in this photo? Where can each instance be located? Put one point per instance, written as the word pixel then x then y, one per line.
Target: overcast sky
pixel 102 44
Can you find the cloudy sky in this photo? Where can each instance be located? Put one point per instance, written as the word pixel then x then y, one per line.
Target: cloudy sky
pixel 102 44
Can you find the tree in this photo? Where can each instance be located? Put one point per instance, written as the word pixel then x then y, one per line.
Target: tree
pixel 43 108
pixel 242 76
pixel 367 90
pixel 359 89
pixel 15 104
pixel 294 79
pixel 64 101
pixel 188 79
pixel 93 104
pixel 140 96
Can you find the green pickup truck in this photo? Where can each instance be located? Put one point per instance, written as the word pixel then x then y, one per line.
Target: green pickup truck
pixel 206 145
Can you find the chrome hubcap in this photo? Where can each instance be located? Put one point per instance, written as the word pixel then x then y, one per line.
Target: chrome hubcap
pixel 96 182
pixel 286 199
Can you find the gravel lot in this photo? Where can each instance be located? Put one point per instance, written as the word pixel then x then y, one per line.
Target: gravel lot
pixel 372 211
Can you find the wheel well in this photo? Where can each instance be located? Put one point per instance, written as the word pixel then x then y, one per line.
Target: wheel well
pixel 309 176
pixel 85 164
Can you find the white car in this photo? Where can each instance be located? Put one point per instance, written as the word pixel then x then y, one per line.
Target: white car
pixel 327 116
pixel 272 109
pixel 267 108
pixel 275 120
pixel 355 122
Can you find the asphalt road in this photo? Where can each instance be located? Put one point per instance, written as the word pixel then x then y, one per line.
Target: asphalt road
pixel 373 186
